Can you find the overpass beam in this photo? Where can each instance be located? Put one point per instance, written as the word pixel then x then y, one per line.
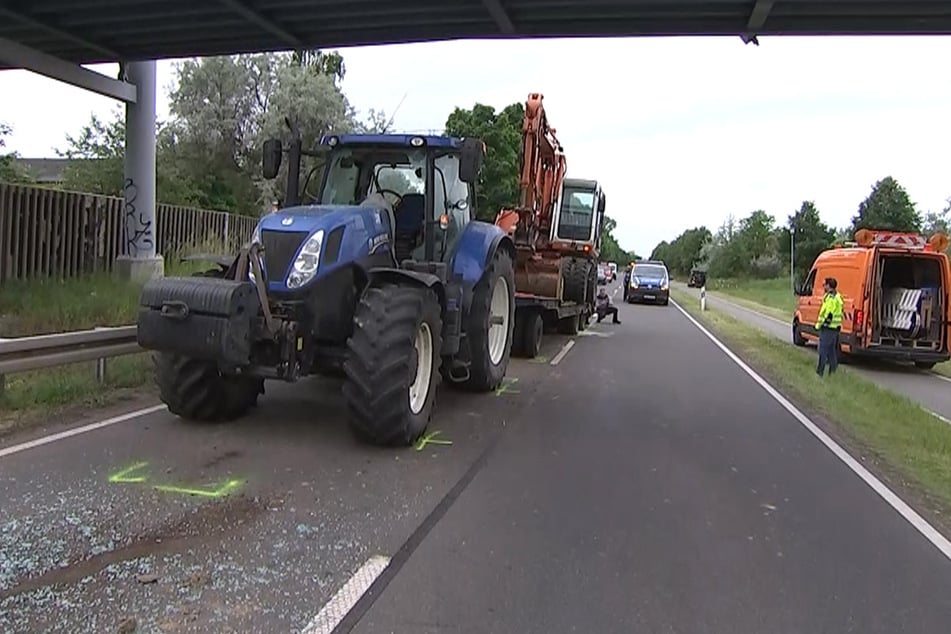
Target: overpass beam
pixel 140 261
pixel 500 16
pixel 19 56
pixel 756 21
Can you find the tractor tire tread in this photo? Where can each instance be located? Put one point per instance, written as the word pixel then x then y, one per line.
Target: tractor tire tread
pixel 381 360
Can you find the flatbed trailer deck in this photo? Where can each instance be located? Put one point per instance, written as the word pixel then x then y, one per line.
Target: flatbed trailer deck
pixel 537 314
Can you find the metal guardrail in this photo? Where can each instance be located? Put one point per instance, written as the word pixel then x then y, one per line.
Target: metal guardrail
pixel 47 351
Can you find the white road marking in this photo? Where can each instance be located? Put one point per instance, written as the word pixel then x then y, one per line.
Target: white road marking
pixel 940 376
pixel 938 416
pixel 909 514
pixel 346 597
pixel 45 440
pixel 561 353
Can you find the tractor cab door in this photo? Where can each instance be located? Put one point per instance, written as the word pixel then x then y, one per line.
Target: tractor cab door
pixel 453 202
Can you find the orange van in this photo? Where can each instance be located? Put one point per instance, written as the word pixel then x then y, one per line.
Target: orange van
pixel 895 287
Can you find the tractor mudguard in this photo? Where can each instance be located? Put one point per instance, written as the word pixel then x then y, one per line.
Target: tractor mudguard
pixel 475 249
pixel 403 276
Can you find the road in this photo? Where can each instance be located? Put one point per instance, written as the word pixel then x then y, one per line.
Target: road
pixel 644 483
pixel 931 390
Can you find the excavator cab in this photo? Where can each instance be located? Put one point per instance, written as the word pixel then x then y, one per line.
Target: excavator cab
pixel 579 216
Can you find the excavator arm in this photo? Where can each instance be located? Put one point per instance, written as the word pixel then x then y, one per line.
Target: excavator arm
pixel 542 168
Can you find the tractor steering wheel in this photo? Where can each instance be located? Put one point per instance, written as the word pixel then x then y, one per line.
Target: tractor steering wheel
pixel 397 195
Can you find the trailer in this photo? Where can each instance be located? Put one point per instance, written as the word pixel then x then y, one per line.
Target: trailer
pixel 536 315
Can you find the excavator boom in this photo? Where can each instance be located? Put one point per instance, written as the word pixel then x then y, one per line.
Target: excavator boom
pixel 542 166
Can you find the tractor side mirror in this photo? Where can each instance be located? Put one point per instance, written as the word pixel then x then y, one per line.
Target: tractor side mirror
pixel 271 159
pixel 470 163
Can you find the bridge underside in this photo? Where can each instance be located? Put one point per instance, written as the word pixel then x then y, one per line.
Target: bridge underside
pixel 89 31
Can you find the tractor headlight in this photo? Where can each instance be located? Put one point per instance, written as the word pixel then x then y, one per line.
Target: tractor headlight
pixel 305 266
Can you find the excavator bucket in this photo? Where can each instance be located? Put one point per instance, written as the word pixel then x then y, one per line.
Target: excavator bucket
pixel 539 276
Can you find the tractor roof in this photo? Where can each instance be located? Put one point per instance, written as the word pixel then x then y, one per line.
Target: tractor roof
pixel 396 140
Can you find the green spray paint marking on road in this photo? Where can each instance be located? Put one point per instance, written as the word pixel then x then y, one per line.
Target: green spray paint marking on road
pixel 221 491
pixel 124 476
pixel 506 387
pixel 430 439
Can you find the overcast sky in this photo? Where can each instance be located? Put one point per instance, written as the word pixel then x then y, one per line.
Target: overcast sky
pixel 680 131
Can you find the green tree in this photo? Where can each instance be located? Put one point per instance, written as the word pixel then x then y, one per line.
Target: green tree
pixel 502 134
pixel 887 208
pixel 224 107
pixel 10 172
pixel 685 252
pixel 756 234
pixel 96 166
pixel 937 221
pixel 812 237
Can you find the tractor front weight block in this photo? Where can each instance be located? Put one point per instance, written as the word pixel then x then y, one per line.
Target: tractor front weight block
pixel 200 317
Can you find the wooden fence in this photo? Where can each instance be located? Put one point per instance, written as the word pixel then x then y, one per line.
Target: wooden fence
pixel 53 233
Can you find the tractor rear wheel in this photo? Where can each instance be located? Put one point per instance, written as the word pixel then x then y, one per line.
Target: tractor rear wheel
pixel 393 367
pixel 196 390
pixel 490 324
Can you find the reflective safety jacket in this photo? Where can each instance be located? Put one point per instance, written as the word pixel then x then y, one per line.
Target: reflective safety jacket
pixel 830 313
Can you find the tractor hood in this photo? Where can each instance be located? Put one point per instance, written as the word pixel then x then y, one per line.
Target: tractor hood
pixel 310 218
pixel 346 234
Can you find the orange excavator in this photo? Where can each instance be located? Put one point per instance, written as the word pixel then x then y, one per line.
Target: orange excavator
pixel 538 267
pixel 556 228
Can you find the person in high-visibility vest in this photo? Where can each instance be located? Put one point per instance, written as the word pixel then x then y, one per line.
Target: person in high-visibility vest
pixel 829 324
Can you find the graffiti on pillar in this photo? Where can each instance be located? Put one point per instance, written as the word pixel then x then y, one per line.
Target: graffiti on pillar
pixel 138 229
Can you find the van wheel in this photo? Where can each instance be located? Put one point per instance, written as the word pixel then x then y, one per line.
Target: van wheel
pixel 797 337
pixel 925 365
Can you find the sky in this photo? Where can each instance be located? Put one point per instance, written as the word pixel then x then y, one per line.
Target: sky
pixel 680 132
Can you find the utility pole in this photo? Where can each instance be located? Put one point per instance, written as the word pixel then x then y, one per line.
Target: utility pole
pixel 792 256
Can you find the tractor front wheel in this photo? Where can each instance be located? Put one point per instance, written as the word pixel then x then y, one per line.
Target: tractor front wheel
pixel 196 390
pixel 393 364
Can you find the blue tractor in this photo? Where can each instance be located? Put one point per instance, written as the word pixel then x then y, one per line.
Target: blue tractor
pixel 383 276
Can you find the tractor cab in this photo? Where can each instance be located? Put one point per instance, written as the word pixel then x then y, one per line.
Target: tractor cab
pixel 408 196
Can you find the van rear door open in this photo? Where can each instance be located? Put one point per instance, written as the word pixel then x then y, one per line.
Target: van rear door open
pixel 911 300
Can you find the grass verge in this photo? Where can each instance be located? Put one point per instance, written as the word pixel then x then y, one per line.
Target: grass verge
pixel 46 306
pixel 775 294
pixel 906 443
pixel 45 395
pixel 37 307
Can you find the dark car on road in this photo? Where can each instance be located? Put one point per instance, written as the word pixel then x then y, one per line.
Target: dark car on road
pixel 697 279
pixel 650 283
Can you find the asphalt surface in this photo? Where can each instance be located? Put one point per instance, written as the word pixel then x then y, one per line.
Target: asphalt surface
pixel 645 483
pixel 929 389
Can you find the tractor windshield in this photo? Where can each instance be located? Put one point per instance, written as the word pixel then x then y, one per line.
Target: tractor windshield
pixel 577 212
pixel 357 172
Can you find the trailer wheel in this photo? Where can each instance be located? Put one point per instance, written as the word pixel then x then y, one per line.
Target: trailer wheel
pixel 569 325
pixel 393 367
pixel 925 365
pixel 490 325
pixel 533 329
pixel 197 391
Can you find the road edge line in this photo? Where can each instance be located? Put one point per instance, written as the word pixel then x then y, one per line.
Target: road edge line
pixel 910 515
pixel 561 353
pixel 76 431
pixel 340 604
